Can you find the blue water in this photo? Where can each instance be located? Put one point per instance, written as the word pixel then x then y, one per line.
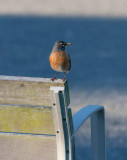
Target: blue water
pixel 98 53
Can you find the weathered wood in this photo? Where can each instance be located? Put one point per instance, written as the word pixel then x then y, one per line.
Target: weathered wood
pixel 62 123
pixel 26 116
pixel 70 121
pixel 27 91
pixel 72 143
pixel 26 119
pixel 59 115
pixel 28 147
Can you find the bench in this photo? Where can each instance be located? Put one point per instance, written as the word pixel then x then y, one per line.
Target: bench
pixel 36 122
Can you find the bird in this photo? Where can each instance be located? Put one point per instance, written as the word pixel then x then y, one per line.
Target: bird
pixel 59 59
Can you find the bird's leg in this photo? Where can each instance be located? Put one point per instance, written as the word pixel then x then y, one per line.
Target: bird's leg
pixel 64 77
pixel 54 77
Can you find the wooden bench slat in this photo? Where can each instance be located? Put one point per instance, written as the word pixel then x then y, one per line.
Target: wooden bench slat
pixel 35 120
pixel 15 147
pixel 27 91
pixel 26 117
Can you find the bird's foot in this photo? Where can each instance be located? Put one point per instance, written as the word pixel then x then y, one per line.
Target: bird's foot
pixel 63 79
pixel 54 78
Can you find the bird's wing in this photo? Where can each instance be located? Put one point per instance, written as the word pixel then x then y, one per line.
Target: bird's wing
pixel 69 62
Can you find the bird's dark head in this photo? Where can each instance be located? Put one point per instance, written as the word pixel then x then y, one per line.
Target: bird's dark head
pixel 60 46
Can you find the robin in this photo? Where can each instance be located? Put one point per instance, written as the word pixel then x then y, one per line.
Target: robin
pixel 59 59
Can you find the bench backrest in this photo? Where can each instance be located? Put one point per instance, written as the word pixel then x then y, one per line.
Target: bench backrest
pixel 31 127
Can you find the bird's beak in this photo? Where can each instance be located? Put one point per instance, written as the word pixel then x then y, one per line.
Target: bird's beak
pixel 67 44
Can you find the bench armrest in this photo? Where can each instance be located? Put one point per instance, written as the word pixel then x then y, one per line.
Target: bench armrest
pixel 96 113
pixel 81 116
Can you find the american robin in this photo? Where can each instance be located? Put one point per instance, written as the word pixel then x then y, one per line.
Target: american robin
pixel 60 60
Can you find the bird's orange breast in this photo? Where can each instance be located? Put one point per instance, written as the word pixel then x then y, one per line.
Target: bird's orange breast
pixel 59 61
